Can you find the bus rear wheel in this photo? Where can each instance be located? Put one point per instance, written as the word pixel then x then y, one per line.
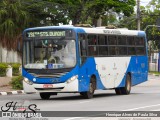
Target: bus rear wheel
pixel 126 89
pixel 92 87
pixel 45 96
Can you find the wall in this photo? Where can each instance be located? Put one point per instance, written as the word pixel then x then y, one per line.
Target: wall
pixel 9 56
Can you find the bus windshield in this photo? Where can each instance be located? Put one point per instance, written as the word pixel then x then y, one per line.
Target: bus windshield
pixel 49 54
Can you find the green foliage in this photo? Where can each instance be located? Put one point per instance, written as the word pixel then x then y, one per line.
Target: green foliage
pixel 128 22
pixel 17 82
pixel 80 11
pixel 154 72
pixel 3 68
pixel 16 15
pixel 13 19
pixel 15 69
pixel 149 17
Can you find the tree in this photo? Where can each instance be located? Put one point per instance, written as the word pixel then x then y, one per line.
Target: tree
pixel 149 16
pixel 85 11
pixel 16 15
pixel 13 18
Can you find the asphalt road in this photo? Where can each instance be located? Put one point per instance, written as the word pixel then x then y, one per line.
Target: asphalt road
pixel 143 97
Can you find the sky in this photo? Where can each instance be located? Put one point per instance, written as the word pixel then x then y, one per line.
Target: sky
pixel 144 2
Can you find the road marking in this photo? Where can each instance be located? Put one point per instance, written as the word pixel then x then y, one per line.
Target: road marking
pixel 3 93
pixel 156 110
pixel 72 118
pixel 14 92
pixel 85 101
pixel 141 107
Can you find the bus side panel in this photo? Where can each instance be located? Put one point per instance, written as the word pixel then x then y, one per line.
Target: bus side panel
pixel 138 67
pixel 112 70
pixel 141 70
pixel 132 69
pixel 85 72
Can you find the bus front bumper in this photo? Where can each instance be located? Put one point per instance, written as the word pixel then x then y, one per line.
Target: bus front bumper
pixel 59 87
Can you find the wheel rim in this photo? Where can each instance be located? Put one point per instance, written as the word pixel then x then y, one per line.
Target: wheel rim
pixel 128 85
pixel 91 88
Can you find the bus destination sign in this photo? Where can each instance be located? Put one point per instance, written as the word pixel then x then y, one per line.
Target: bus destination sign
pixel 45 33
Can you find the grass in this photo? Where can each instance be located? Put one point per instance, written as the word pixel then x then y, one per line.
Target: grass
pixel 154 72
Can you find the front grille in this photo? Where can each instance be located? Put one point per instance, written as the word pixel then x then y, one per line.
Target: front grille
pixel 55 75
pixel 59 88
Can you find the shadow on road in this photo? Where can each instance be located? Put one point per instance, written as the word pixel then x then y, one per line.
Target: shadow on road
pixel 79 97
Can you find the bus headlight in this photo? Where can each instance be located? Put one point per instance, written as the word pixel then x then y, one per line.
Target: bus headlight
pixel 72 78
pixel 28 81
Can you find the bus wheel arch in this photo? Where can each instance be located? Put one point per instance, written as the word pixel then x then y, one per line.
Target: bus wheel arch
pixel 92 87
pixel 94 81
pixel 127 87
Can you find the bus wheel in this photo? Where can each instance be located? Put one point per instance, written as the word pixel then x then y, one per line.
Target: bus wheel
pixel 45 96
pixel 118 91
pixel 125 90
pixel 92 87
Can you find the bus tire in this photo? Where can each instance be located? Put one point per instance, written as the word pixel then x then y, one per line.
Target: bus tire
pixel 126 89
pixel 92 87
pixel 118 91
pixel 45 96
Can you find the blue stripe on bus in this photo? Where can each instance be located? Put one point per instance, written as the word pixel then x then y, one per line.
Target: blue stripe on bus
pixel 85 72
pixel 138 67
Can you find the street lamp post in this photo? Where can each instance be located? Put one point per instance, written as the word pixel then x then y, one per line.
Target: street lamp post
pixel 150 50
pixel 138 15
pixel 150 26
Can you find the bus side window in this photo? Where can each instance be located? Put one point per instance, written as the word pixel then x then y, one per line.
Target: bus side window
pixel 112 50
pixel 92 45
pixel 92 40
pixel 112 41
pixel 92 50
pixel 83 47
pixel 131 45
pixel 140 46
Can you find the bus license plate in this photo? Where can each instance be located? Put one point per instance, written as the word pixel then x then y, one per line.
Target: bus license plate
pixel 47 86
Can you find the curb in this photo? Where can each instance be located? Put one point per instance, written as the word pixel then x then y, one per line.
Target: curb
pixel 12 92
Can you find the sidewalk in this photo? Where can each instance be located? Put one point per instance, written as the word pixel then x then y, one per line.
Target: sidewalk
pixel 4 84
pixel 6 89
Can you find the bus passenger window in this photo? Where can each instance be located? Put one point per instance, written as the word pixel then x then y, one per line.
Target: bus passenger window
pixel 83 49
pixel 112 40
pixel 139 41
pixel 140 50
pixel 112 50
pixel 103 50
pixel 102 40
pixel 131 51
pixel 92 50
pixel 122 50
pixel 92 40
pixel 121 40
pixel 131 40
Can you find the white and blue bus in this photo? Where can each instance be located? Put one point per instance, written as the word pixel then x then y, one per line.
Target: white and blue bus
pixel 60 59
